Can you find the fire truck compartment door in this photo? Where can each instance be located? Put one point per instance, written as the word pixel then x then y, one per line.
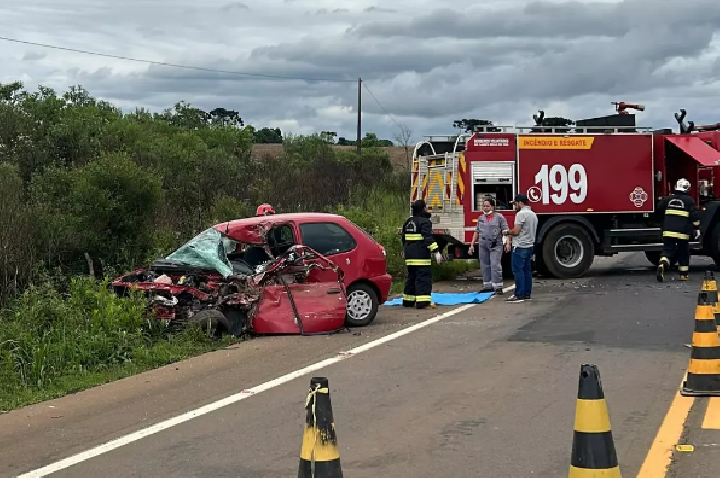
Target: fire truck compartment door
pixel 492 172
pixel 697 149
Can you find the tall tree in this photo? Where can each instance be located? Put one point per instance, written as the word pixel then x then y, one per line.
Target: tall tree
pixel 469 125
pixel 329 136
pixel 403 137
pixel 225 117
pixel 268 136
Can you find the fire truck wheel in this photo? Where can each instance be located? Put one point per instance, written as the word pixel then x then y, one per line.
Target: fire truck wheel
pixel 567 251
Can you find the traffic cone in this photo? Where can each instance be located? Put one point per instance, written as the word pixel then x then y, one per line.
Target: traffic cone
pixel 709 286
pixel 593 450
pixel 319 443
pixel 703 375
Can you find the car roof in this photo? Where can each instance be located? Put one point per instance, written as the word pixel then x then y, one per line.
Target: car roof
pixel 279 218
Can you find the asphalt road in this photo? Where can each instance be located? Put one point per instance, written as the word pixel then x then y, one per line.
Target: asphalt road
pixel 489 391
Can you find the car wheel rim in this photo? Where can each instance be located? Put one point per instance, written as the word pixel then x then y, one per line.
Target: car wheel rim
pixel 569 251
pixel 359 305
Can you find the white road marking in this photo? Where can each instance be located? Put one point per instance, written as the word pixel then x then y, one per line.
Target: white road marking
pixel 246 393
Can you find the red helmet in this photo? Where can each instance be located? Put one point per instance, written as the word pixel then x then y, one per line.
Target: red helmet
pixel 265 209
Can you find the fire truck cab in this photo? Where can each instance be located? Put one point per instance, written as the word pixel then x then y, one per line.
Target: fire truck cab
pixel 594 185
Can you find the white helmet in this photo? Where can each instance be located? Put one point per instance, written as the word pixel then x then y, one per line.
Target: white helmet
pixel 682 184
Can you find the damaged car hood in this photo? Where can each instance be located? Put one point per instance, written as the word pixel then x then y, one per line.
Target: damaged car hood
pixel 207 251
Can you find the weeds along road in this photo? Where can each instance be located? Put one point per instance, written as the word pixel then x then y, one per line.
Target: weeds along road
pixel 487 390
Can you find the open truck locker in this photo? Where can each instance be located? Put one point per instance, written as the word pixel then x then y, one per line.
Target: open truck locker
pixel 594 186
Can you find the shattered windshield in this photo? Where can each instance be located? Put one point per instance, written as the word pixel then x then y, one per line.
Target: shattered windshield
pixel 208 250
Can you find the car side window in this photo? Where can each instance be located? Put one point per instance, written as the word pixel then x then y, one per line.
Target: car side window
pixel 327 238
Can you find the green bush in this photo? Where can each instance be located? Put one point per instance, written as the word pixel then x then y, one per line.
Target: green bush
pixel 49 339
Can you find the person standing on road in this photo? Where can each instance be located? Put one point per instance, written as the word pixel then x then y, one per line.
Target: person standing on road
pixel 418 246
pixel 489 231
pixel 680 220
pixel 525 230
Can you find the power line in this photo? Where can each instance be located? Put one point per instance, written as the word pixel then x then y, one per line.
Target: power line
pixel 200 68
pixel 174 65
pixel 381 106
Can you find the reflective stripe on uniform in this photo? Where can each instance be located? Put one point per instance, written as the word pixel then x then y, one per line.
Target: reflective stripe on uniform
pixel 424 298
pixel 677 212
pixel 676 235
pixel 409 298
pixel 433 246
pixel 413 237
pixel 683 268
pixel 696 223
pixel 418 262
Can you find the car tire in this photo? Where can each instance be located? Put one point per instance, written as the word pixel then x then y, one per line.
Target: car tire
pixel 581 251
pixel 362 305
pixel 213 322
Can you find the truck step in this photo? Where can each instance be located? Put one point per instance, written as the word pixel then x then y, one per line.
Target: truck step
pixel 653 246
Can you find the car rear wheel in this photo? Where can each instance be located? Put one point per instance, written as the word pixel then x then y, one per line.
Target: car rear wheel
pixel 362 305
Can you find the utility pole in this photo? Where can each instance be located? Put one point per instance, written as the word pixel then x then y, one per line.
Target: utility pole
pixel 359 118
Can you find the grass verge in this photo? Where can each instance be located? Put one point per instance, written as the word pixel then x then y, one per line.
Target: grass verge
pixel 54 343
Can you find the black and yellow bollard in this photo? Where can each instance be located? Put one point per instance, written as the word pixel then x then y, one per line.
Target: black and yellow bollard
pixel 319 445
pixel 703 374
pixel 709 286
pixel 593 450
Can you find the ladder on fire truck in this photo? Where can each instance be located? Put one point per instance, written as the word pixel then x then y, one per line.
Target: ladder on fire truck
pixel 435 174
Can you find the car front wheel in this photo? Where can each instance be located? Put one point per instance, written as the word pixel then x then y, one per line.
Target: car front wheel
pixel 362 305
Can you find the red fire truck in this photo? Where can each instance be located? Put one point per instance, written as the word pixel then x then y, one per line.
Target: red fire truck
pixel 594 185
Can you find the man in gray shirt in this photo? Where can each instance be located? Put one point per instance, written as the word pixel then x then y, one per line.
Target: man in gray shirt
pixel 523 243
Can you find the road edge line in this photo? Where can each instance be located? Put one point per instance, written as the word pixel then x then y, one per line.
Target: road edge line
pixel 659 456
pixel 211 407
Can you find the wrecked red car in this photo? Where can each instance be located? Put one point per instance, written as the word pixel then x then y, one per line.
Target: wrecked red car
pixel 258 275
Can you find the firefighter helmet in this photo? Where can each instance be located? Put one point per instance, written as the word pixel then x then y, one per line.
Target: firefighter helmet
pixel 265 209
pixel 683 185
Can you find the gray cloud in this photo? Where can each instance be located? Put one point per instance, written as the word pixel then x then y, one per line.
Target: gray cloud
pixel 499 60
pixel 539 19
pixel 325 11
pixel 379 10
pixel 234 6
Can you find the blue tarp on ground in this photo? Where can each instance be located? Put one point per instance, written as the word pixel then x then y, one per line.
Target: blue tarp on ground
pixel 451 299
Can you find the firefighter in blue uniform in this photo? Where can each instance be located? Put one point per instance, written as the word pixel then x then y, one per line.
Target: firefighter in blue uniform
pixel 418 247
pixel 680 221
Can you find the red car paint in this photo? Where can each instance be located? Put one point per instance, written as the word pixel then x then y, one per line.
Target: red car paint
pixel 319 297
pixel 365 262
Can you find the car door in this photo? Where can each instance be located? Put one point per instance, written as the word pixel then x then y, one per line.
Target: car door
pixel 315 293
pixel 336 243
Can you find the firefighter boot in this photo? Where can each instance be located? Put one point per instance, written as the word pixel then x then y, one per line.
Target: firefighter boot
pixel 663 265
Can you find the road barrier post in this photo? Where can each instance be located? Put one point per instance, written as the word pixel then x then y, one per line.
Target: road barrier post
pixel 709 286
pixel 703 377
pixel 593 450
pixel 319 445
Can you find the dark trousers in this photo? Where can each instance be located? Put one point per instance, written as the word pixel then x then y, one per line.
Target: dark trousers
pixel 522 270
pixel 418 286
pixel 678 248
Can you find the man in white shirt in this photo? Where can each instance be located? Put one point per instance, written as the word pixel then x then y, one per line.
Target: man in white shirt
pixel 523 243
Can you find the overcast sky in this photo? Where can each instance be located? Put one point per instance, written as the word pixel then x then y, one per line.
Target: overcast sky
pixel 427 64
